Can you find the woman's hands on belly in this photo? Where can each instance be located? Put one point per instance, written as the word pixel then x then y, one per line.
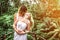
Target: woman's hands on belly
pixel 20 32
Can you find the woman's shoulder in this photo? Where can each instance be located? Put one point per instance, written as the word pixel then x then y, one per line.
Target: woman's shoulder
pixel 28 13
pixel 15 14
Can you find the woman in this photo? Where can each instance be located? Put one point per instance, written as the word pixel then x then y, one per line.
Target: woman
pixel 21 24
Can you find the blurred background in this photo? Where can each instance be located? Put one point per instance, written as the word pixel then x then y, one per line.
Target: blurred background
pixel 46 15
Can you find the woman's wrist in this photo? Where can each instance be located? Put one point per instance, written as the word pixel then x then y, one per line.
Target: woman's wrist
pixel 26 31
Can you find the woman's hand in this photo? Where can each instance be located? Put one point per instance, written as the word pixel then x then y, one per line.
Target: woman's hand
pixel 20 32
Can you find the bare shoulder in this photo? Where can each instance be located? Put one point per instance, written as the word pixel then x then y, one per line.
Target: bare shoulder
pixel 28 13
pixel 15 14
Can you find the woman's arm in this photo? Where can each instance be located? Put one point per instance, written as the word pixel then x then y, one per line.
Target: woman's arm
pixel 15 22
pixel 28 28
pixel 31 20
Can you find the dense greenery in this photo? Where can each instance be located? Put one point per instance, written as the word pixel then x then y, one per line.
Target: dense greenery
pixel 46 19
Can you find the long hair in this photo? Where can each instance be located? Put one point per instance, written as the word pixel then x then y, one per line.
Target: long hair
pixel 23 8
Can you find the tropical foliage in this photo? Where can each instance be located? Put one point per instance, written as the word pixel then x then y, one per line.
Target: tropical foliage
pixel 46 15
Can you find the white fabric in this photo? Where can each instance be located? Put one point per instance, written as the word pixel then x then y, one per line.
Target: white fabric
pixel 21 26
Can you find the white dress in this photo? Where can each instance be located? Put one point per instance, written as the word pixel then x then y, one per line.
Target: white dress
pixel 22 26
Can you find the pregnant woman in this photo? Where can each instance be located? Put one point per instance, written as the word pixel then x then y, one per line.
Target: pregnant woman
pixel 21 24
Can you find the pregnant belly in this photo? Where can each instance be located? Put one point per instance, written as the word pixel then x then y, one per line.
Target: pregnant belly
pixel 21 25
